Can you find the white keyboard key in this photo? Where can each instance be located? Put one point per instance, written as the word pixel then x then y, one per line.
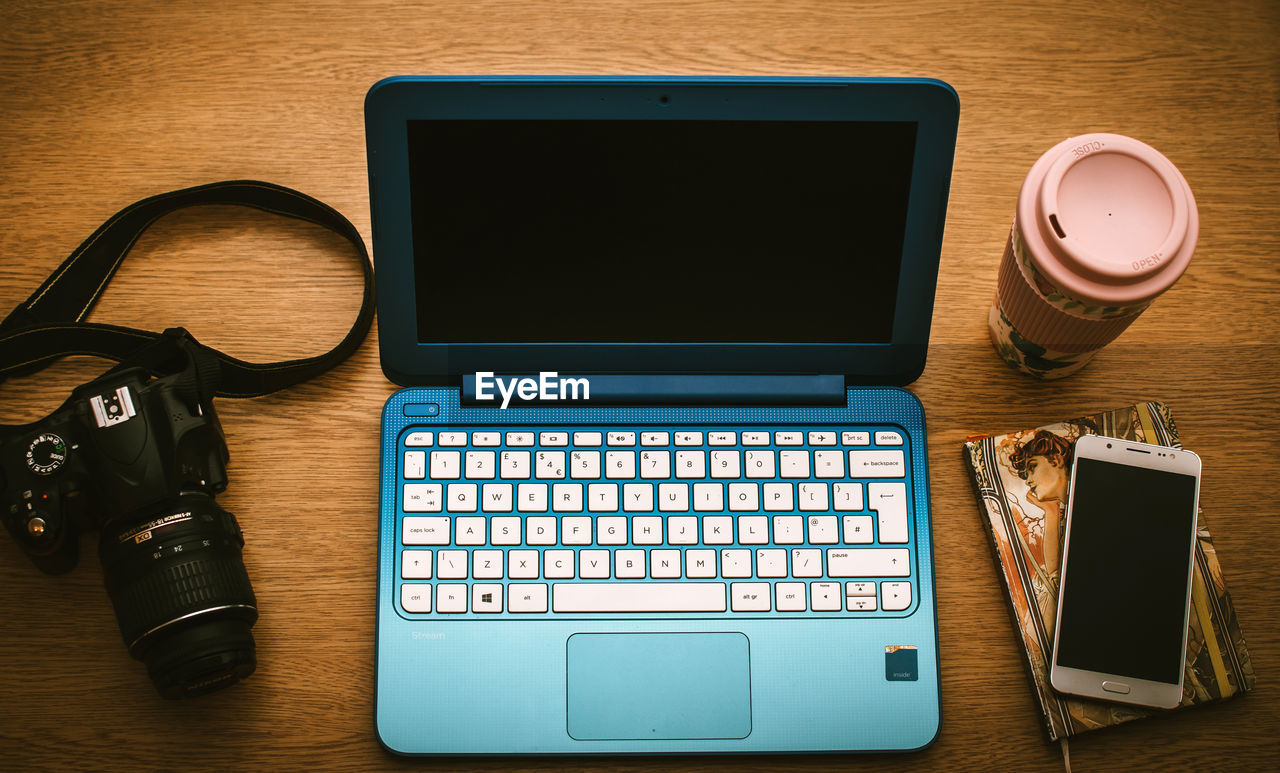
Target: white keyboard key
pixel 558 564
pixel 895 596
pixel 859 589
pixel 788 529
pixel 587 439
pixel 691 464
pixel 486 439
pixel 750 596
pixel 415 465
pixel 846 496
pixel 453 438
pixel 461 497
pixel 575 530
pixel 755 438
pixel 451 598
pixel 688 438
pixel 889 501
pixel 793 464
pixel 789 438
pixel 868 562
pixel 812 496
pixel 531 497
pixel 655 438
pixel 790 596
pixel 722 438
pixel 778 497
pixel 682 530
pixel 548 464
pixel 553 439
pixel 515 464
pixel 426 530
pixel 619 464
pixel 446 465
pixel 860 603
pixel 423 497
pixel 584 464
pixel 823 530
pixel 451 565
pixel 735 562
pixel 638 498
pixel 857 530
pixel 593 564
pixel 497 497
pixel 486 564
pixel 753 529
pixel 415 598
pixel 417 439
pixel 415 565
pixel 629 564
pixel 725 464
pixel 806 562
pixel 470 530
pixel 673 497
pixel 486 597
pixel 655 464
pixel 664 564
pixel 602 497
pixel 828 464
pixel 888 438
pixel 638 597
pixel 646 530
pixel 855 438
pixel 700 563
pixel 709 497
pixel 877 464
pixel 744 497
pixel 520 439
pixel 621 438
pixel 817 438
pixel 541 530
pixel 523 564
pixel 760 464
pixel 611 530
pixel 717 530
pixel 527 597
pixel 566 497
pixel 505 530
pixel 771 562
pixel 825 597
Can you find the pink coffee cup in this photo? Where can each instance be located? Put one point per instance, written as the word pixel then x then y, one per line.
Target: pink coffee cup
pixel 1104 225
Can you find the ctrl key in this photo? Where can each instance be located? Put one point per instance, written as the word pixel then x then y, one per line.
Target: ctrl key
pixel 415 597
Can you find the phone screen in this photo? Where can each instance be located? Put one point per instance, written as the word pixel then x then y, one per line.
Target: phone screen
pixel 1124 598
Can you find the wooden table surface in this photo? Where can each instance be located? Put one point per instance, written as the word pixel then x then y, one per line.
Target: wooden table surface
pixel 103 103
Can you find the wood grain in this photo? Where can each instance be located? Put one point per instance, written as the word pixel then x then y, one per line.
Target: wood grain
pixel 105 103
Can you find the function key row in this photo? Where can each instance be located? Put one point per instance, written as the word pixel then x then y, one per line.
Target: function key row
pixel 493 439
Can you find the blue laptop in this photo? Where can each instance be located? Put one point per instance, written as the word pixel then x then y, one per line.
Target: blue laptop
pixel 653 484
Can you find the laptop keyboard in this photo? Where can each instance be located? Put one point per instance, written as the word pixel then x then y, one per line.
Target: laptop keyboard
pixel 702 521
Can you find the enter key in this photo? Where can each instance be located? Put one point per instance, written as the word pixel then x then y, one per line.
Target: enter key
pixel 889 501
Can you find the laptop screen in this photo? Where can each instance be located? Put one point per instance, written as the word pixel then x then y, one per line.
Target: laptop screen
pixel 643 231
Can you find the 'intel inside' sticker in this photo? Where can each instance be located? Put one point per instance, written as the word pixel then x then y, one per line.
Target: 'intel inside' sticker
pixel 900 663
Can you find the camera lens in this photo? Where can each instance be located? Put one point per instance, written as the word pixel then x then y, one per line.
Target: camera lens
pixel 182 596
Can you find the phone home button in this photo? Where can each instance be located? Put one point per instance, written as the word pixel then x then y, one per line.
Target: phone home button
pixel 1119 687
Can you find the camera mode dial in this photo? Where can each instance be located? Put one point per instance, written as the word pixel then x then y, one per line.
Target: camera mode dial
pixel 46 454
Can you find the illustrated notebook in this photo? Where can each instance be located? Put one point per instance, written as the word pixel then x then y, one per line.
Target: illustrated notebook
pixel 654 485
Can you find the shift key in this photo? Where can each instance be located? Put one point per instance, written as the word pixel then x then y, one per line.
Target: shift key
pixel 868 562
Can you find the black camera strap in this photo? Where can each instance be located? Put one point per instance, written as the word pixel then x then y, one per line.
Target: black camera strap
pixel 50 324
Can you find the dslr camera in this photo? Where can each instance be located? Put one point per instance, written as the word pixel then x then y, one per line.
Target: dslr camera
pixel 141 459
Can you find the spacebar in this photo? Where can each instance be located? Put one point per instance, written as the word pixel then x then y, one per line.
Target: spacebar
pixel 638 597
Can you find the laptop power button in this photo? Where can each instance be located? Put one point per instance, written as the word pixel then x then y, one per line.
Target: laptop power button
pixel 421 409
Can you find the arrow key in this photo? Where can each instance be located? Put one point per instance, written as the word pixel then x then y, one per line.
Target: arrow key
pixel 895 596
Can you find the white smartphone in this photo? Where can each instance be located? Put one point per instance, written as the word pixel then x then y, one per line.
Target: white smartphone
pixel 1125 589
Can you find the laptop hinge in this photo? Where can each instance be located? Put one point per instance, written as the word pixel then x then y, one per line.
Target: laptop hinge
pixel 549 388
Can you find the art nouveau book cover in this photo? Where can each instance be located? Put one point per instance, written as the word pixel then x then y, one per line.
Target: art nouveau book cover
pixel 1022 480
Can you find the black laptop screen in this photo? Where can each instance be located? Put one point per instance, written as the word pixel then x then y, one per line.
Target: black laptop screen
pixel 628 231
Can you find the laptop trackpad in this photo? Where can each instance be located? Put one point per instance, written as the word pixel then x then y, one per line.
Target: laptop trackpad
pixel 624 686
